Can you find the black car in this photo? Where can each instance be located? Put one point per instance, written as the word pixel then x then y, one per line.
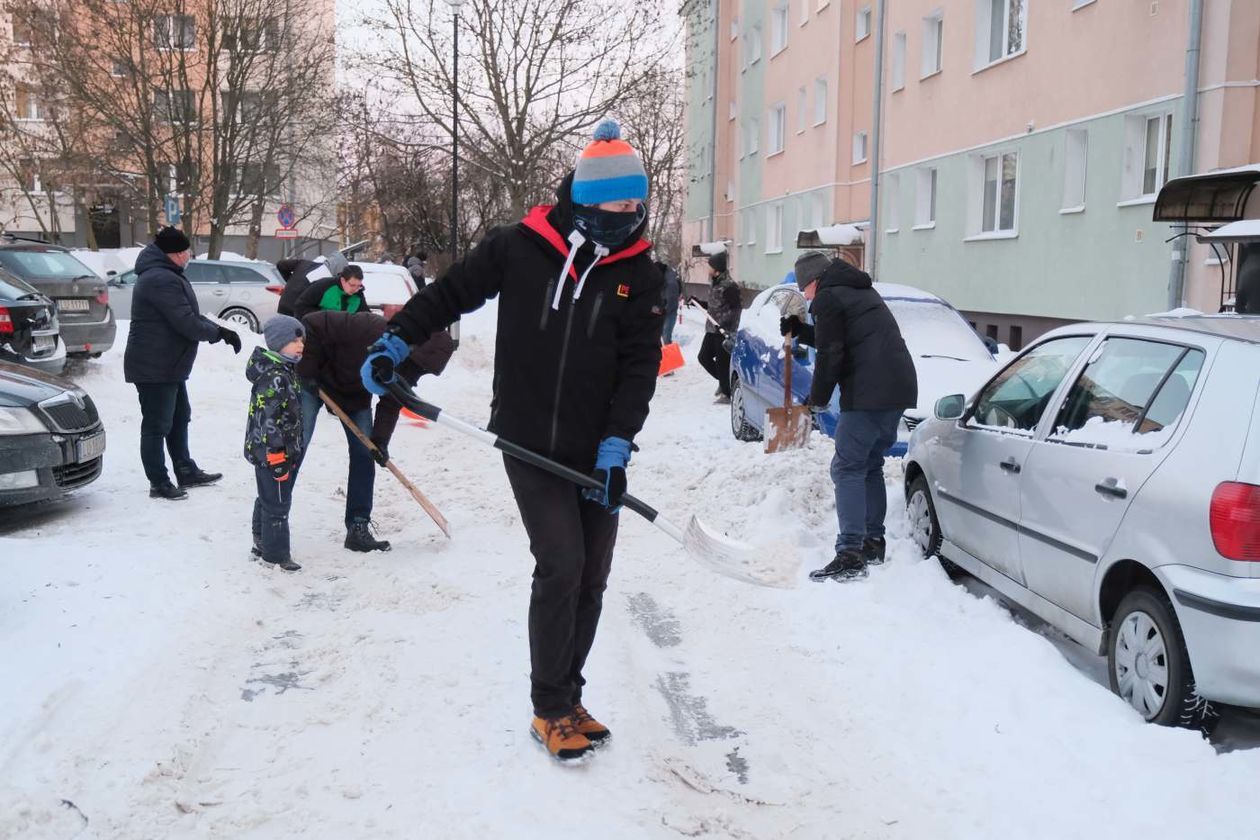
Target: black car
pixel 51 437
pixel 28 327
pixel 82 298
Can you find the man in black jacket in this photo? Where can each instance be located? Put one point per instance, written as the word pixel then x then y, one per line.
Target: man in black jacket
pixel 724 306
pixel 343 293
pixel 576 358
pixel 301 274
pixel 860 348
pixel 166 325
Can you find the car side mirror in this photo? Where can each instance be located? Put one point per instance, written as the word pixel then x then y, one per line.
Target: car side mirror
pixel 950 408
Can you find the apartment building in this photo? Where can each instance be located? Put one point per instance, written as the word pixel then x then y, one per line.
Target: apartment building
pixel 1023 143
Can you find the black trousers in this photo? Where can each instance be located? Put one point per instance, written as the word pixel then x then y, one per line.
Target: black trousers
pixel 714 358
pixel 164 416
pixel 572 541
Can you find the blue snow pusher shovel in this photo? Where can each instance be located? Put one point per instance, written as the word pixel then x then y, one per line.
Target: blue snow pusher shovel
pixel 768 566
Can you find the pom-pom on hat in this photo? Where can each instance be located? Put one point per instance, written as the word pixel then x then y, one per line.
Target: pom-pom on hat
pixel 608 169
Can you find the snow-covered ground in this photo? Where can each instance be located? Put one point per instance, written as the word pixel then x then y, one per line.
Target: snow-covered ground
pixel 156 683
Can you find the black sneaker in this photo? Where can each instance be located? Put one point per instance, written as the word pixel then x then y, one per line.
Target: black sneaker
pixel 167 491
pixel 359 538
pixel 288 565
pixel 849 564
pixel 874 548
pixel 198 478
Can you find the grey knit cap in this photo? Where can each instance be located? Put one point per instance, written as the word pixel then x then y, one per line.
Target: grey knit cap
pixel 279 330
pixel 809 267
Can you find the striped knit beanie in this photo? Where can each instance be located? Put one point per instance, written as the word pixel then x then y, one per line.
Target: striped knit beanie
pixel 608 169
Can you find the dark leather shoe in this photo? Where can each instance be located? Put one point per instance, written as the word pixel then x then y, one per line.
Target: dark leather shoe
pixel 167 491
pixel 874 548
pixel 198 478
pixel 849 564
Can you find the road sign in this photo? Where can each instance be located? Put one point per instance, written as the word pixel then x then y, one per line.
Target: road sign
pixel 285 216
pixel 286 233
pixel 172 209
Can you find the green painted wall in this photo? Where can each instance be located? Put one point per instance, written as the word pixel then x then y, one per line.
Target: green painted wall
pixel 701 20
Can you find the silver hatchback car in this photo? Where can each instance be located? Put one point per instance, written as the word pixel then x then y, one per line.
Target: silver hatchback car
pixel 1108 480
pixel 241 293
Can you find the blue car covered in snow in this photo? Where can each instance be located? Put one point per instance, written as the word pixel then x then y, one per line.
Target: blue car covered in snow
pixel 948 356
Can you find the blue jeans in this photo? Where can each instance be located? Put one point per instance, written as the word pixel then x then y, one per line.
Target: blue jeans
pixel 857 471
pixel 671 321
pixel 361 482
pixel 271 514
pixel 164 416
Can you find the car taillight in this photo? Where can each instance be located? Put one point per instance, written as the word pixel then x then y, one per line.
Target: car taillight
pixel 102 297
pixel 389 310
pixel 6 322
pixel 276 290
pixel 1235 520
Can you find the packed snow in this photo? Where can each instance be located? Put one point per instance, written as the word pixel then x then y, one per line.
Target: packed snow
pixel 157 683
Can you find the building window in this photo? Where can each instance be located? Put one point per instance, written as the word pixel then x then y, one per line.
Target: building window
pixel 898 61
pixel 1075 155
pixel 891 223
pixel 750 143
pixel 119 69
pixel 31 178
pixel 778 28
pixel 804 12
pixel 750 225
pixel 819 212
pixel 999 30
pixel 933 44
pixel 173 106
pixel 776 128
pixel 1148 154
pixel 732 111
pixel 774 229
pixel 174 32
pixel 180 178
pixel 754 45
pixel 925 198
pixel 22 36
pixel 859 147
pixel 29 104
pixel 255 35
pixel 820 101
pixel 862 24
pixel 998 188
pixel 802 106
pixel 734 28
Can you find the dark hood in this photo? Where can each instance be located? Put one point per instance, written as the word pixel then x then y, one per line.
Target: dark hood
pixel 153 257
pixel 840 273
pixel 263 362
pixel 560 216
pixel 24 386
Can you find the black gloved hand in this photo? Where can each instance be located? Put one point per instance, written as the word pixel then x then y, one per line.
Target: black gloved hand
pixel 790 324
pixel 230 338
pixel 380 454
pixel 728 343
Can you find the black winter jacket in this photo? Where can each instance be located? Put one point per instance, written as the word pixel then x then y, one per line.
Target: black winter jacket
pixel 566 377
pixel 166 322
pixel 312 300
pixel 860 347
pixel 725 304
pixel 294 286
pixel 336 348
pixel 274 422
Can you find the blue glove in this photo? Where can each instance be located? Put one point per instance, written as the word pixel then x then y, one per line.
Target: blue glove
pixel 610 471
pixel 387 353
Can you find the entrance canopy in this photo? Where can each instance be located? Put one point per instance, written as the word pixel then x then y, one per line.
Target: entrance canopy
pixel 1210 198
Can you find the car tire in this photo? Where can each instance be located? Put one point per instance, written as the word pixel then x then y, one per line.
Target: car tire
pixel 925 528
pixel 239 317
pixel 740 427
pixel 1148 664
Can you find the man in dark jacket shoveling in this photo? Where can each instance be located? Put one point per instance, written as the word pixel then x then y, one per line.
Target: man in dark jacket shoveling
pixel 576 359
pixel 860 348
pixel 166 326
pixel 724 306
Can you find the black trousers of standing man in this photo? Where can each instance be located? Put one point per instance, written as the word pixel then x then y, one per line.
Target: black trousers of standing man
pixel 714 358
pixel 572 541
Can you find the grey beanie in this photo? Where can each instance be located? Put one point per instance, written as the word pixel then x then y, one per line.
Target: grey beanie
pixel 809 267
pixel 336 263
pixel 279 330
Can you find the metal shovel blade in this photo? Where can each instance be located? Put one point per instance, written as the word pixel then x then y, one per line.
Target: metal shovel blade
pixel 788 428
pixel 770 565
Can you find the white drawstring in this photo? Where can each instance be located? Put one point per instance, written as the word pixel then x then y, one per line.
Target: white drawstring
pixel 600 253
pixel 576 240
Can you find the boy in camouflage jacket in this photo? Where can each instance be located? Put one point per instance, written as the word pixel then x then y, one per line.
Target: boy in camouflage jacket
pixel 273 435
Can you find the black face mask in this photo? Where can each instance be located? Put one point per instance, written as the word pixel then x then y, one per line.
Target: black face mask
pixel 605 227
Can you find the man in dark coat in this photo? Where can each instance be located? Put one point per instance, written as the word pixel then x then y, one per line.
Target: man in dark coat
pixel 724 306
pixel 1247 296
pixel 671 294
pixel 302 274
pixel 860 348
pixel 343 293
pixel 166 326
pixel 576 358
pixel 336 346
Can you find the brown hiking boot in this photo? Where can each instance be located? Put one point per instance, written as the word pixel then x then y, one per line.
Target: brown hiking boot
pixel 594 731
pixel 560 737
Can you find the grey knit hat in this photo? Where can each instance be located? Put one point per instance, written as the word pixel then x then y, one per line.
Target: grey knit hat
pixel 279 330
pixel 809 267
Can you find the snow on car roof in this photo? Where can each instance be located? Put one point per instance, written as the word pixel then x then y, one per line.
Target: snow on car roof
pixel 1237 327
pixel 895 290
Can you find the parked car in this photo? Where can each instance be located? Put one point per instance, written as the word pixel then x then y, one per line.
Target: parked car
pixel 386 286
pixel 82 299
pixel 948 357
pixel 29 334
pixel 51 437
pixel 241 293
pixel 1108 480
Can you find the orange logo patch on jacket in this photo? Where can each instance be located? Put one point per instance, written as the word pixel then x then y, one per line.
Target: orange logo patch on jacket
pixel 623 290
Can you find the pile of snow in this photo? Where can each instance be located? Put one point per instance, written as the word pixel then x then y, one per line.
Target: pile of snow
pixel 229 256
pixel 711 248
pixel 106 260
pixel 838 236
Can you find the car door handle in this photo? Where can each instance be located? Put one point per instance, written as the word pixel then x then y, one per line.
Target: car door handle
pixel 1111 487
pixel 1010 465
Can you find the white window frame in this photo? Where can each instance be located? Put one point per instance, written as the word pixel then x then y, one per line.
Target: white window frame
pixel 753 141
pixel 774 228
pixel 985 13
pixel 979 187
pixel 734 29
pixel 754 43
pixel 732 110
pixel 932 58
pixel 776 129
pixel 165 29
pixel 862 24
pixel 750 226
pixel 860 151
pixel 802 109
pixel 897 75
pixel 804 12
pixel 779 15
pixel 927 184
pixel 1075 170
pixel 892 224
pixel 1133 188
pixel 820 100
pixel 35 108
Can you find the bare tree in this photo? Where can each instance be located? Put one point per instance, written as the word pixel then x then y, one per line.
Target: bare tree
pixel 652 119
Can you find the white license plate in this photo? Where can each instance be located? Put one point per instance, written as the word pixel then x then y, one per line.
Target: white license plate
pixel 91 447
pixel 44 342
pixel 73 304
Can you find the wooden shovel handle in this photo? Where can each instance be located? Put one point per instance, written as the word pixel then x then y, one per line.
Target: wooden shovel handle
pixel 787 371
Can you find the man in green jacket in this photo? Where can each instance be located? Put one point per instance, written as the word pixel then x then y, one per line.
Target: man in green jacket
pixel 343 293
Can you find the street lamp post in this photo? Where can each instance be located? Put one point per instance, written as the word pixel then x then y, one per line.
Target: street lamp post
pixel 455 7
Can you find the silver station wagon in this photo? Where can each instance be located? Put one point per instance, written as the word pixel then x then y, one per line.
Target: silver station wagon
pixel 1108 480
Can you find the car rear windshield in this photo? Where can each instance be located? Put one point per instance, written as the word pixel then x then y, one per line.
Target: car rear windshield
pixel 13 288
pixel 44 265
pixel 932 329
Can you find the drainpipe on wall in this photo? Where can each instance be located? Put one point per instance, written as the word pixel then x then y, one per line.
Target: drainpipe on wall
pixel 713 193
pixel 872 230
pixel 1185 163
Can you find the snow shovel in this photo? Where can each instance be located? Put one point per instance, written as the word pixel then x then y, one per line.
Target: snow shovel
pixel 429 507
pixel 788 427
pixel 773 566
pixel 671 359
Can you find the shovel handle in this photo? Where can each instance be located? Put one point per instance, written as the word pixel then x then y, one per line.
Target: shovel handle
pixel 787 371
